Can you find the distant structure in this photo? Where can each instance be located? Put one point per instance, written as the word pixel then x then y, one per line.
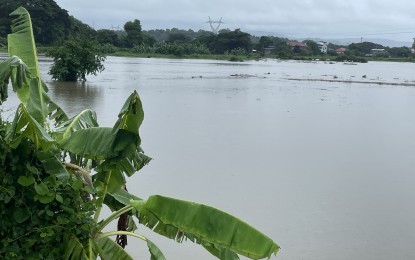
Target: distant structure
pixel 215 29
pixel 323 46
pixel 413 47
pixel 113 28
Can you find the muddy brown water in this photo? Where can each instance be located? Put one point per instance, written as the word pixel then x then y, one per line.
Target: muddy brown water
pixel 326 169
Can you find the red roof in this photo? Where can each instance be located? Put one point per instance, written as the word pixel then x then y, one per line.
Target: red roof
pixel 341 50
pixel 295 44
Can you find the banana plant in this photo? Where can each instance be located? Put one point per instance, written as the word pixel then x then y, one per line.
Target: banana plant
pixel 103 158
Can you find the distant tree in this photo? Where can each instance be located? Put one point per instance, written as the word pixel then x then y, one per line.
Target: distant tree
pixel 363 48
pixel 108 36
pixel 313 48
pixel 81 30
pixel 264 42
pixel 400 52
pixel 228 41
pixel 178 37
pixel 225 30
pixel 75 59
pixel 3 42
pixel 148 39
pixel 51 24
pixel 134 33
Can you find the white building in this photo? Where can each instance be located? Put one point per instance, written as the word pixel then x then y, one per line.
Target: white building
pixel 323 46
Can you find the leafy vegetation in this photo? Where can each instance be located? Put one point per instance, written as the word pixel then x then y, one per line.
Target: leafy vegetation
pixel 75 59
pixel 59 172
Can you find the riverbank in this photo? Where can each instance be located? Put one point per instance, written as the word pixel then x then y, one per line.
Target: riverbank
pixel 231 57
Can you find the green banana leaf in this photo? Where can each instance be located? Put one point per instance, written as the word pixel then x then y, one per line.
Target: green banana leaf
pixel 25 126
pixel 56 113
pixel 15 69
pixel 131 115
pixel 99 143
pixel 74 250
pixel 21 41
pixel 85 119
pixel 155 252
pixel 22 44
pixel 217 231
pixel 118 148
pixel 109 250
pixel 52 164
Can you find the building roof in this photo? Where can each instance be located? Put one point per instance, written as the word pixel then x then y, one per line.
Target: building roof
pixel 341 49
pixel 295 44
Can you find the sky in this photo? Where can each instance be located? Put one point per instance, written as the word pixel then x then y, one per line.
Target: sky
pixel 326 19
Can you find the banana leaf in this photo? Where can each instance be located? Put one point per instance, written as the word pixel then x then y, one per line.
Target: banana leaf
pixel 15 69
pixel 55 112
pixel 21 41
pixel 85 119
pixel 25 126
pixel 217 231
pixel 131 115
pixel 22 44
pixel 74 250
pixel 100 143
pixel 109 250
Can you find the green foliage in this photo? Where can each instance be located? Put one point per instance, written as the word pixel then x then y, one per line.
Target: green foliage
pixel 75 59
pixel 312 47
pixel 108 37
pixel 228 41
pixel 50 203
pixel 51 23
pixel 363 48
pixel 37 208
pixel 134 33
pixel 171 48
pixel 79 30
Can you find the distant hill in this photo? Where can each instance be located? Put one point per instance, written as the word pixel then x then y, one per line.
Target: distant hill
pixel 383 42
pixel 342 41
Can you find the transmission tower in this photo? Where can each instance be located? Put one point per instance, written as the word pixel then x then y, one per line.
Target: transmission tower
pixel 215 29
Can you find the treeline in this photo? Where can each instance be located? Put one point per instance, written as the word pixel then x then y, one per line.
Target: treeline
pixel 52 26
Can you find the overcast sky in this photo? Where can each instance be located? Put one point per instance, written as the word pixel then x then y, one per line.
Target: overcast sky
pixel 290 18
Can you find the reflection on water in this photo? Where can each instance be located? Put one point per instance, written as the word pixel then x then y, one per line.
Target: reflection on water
pixel 75 96
pixel 324 168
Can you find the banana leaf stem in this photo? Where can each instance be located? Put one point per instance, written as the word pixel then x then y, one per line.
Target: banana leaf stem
pixel 101 197
pixel 113 216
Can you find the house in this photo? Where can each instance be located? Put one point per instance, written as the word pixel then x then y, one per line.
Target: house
pixel 341 50
pixel 378 52
pixel 297 44
pixel 323 46
pixel 269 49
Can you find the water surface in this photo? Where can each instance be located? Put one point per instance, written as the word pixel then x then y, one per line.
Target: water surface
pixel 326 169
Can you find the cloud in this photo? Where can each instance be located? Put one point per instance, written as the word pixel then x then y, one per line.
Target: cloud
pixel 294 17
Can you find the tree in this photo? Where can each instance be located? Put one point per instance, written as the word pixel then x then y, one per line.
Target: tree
pixel 178 38
pixel 51 24
pixel 313 47
pixel 363 48
pixel 50 204
pixel 264 42
pixel 134 33
pixel 228 41
pixel 80 30
pixel 108 36
pixel 75 59
pixel 400 52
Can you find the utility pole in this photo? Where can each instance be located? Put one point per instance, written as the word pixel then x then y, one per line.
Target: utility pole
pixel 215 29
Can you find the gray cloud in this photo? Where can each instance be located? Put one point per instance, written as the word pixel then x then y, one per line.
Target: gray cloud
pixel 294 18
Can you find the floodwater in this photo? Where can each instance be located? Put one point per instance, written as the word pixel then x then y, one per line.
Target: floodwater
pixel 326 169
